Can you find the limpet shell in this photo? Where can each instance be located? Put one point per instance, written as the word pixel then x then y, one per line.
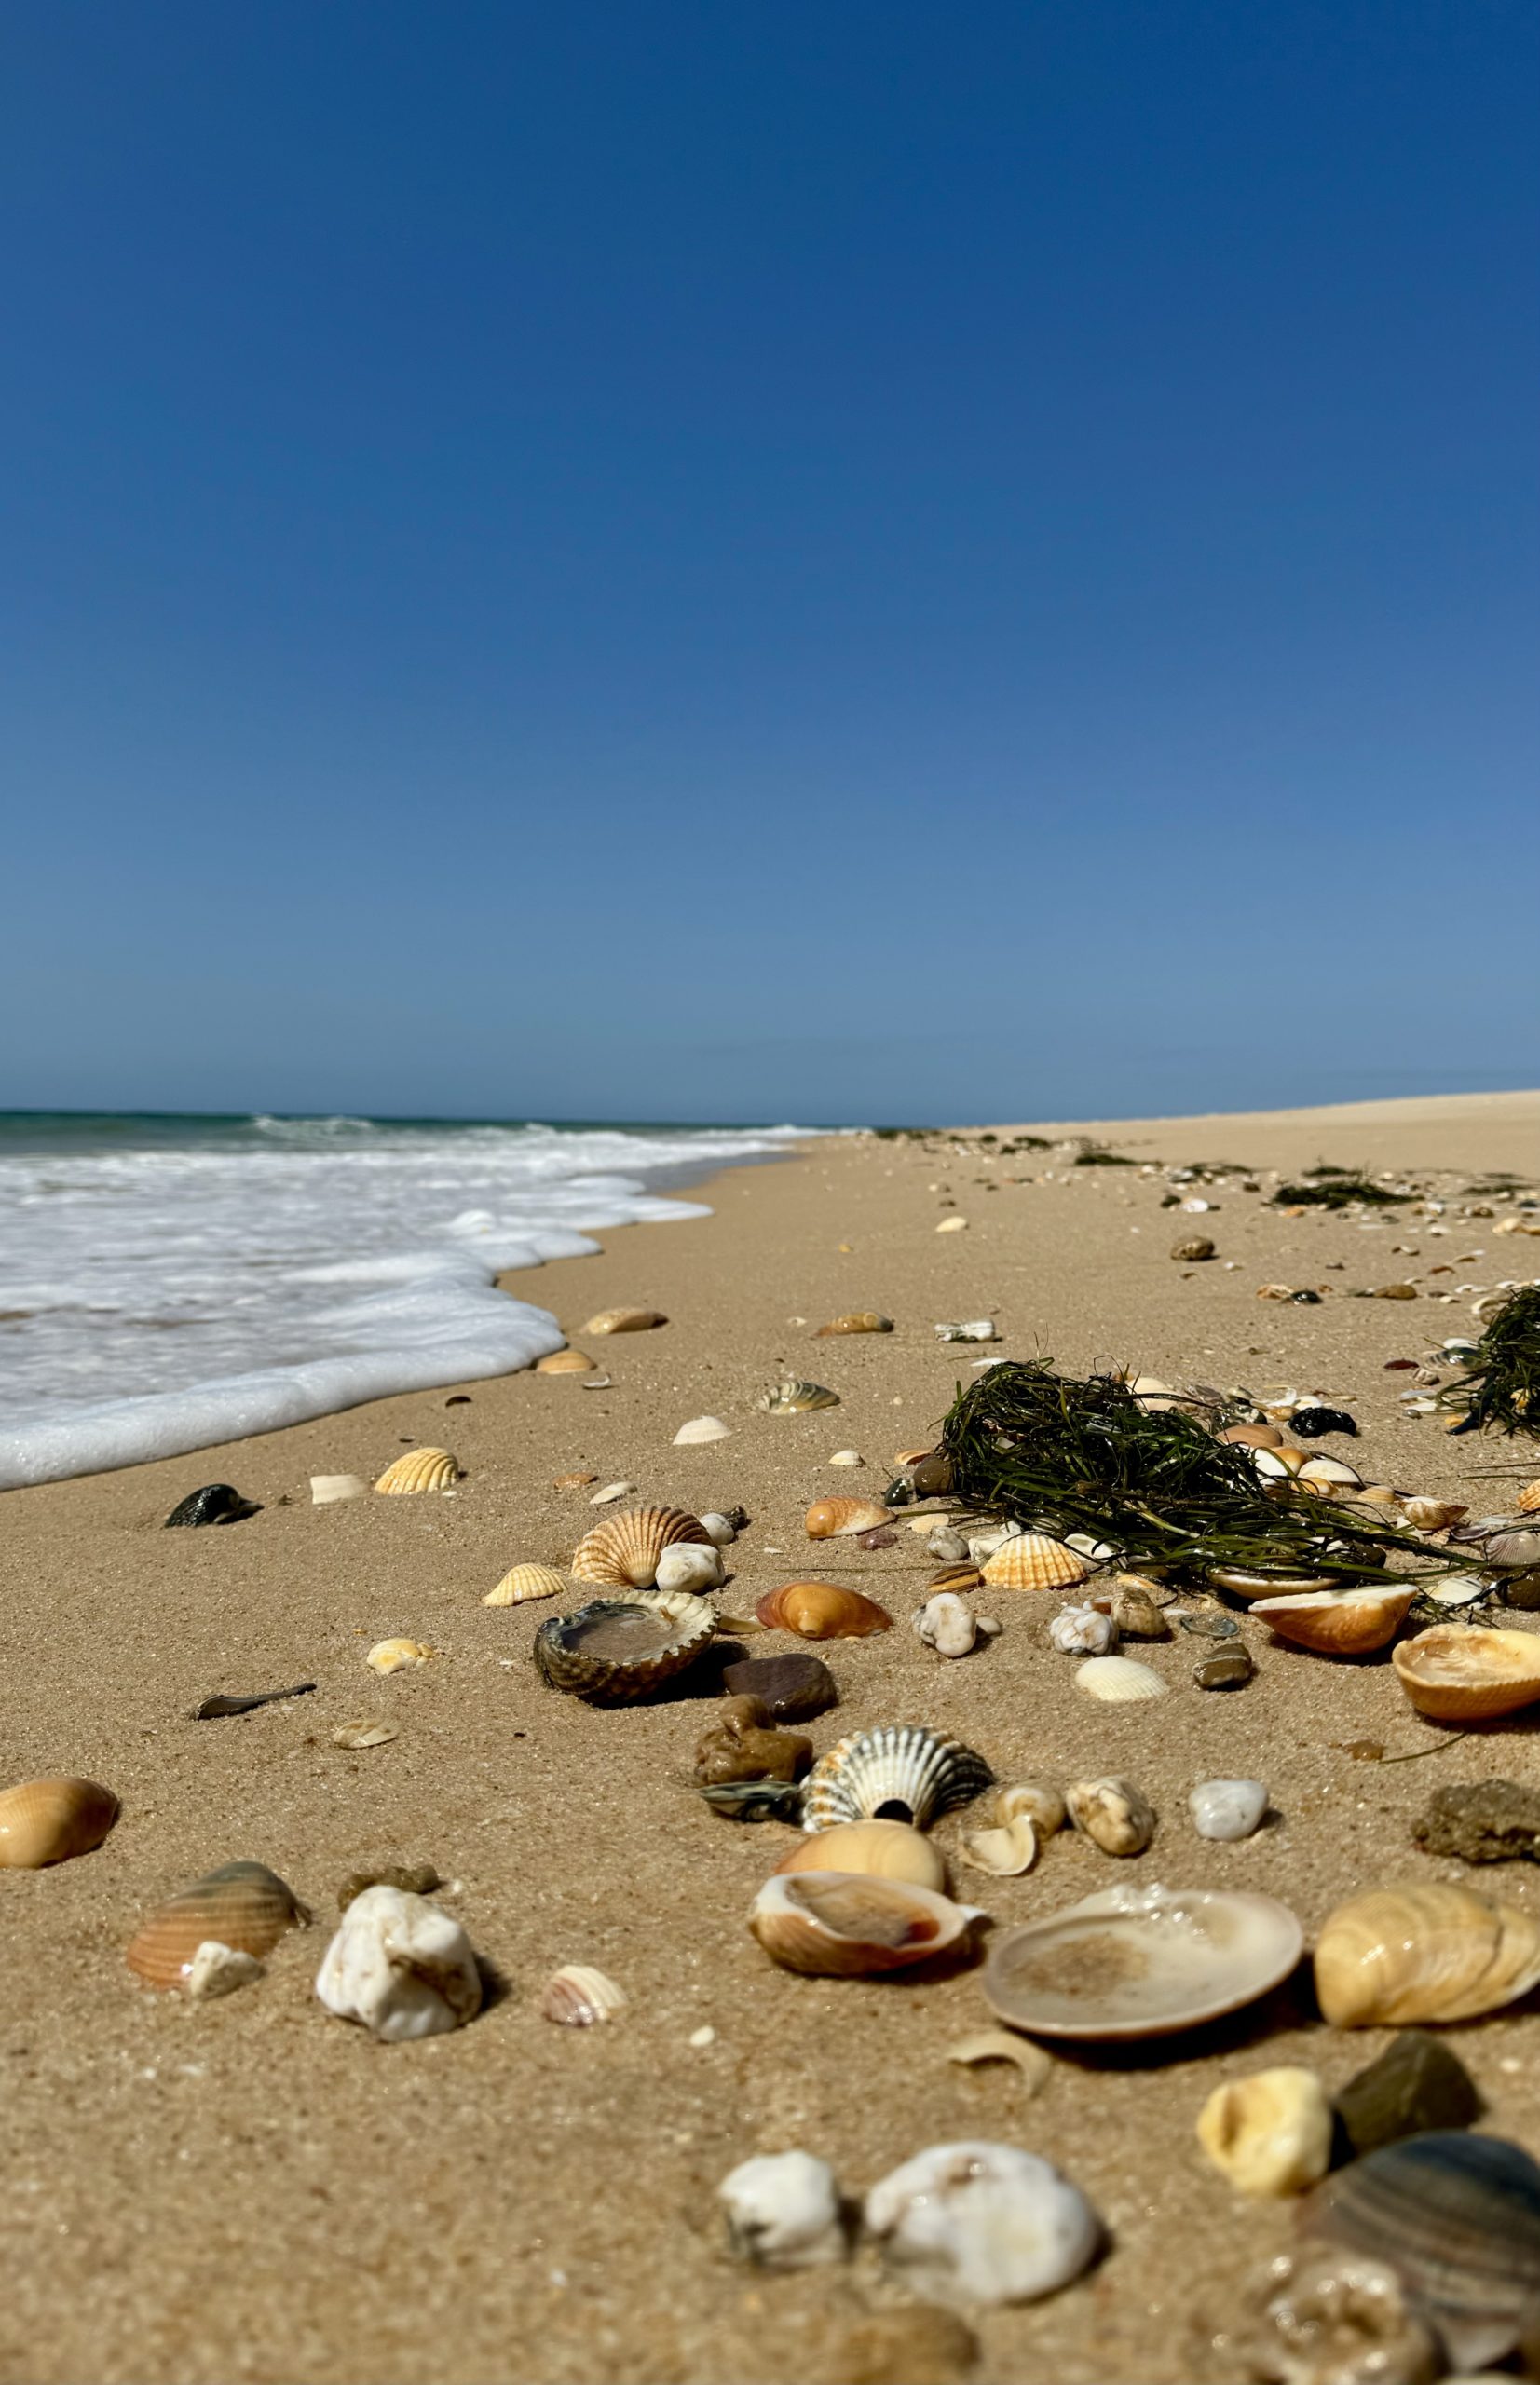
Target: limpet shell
pixel 625 1320
pixel 1338 1622
pixel 822 1611
pixel 847 1925
pixel 860 1320
pixel 243 1906
pixel 828 1519
pixel 613 1650
pixel 1394 1957
pixel 578 1998
pixel 622 1552
pixel 1456 1672
pixel 418 1470
pixel 397 1656
pixel 900 1772
pixel 1140 1962
pixel 522 1583
pixel 47 1821
pixel 1119 1680
pixel 1033 1560
pixel 796 1398
pixel 881 1850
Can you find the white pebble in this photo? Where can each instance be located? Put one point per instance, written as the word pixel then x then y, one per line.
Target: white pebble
pixel 1083 1632
pixel 218 1969
pixel 978 2222
pixel 327 1489
pixel 719 1530
pixel 1228 1808
pixel 690 1565
pixel 945 1624
pixel 783 2211
pixel 401 1966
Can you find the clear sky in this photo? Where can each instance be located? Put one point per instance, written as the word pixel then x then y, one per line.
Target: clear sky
pixel 834 559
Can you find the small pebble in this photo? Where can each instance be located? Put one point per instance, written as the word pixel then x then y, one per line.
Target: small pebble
pixel 793 1687
pixel 1207 1625
pixel 1417 2083
pixel 1482 1821
pixel 1228 1808
pixel 1231 1668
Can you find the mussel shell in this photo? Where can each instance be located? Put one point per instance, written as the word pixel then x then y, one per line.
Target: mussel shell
pixel 756 1801
pixel 216 1502
pixel 47 1821
pixel 243 1905
pixel 671 1628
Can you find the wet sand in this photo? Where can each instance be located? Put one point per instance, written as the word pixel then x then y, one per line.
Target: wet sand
pixel 250 2188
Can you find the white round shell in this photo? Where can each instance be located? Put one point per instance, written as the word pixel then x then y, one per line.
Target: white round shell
pixel 1119 1680
pixel 982 2223
pixel 783 2211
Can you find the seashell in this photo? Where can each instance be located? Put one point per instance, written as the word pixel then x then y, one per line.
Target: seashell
pixel 613 1650
pixel 702 1428
pixel 47 1821
pixel 1228 1809
pixel 572 1481
pixel 1132 1609
pixel 401 1966
pixel 822 1611
pixel 877 1850
pixel 1332 1471
pixel 1527 1503
pixel 792 1688
pixel 846 1457
pixel 368 1731
pixel 326 1489
pixel 243 1906
pixel 1082 1631
pixel 1456 1672
pixel 1252 1436
pixel 1458 2218
pixel 1428 1952
pixel 1199 1246
pixel 522 1583
pixel 578 1997
pixel 900 1772
pixel 1007 1850
pixel 418 1470
pixel 1243 1583
pixel 860 1320
pixel 690 1566
pixel 952 1225
pixel 796 1398
pixel 625 1320
pixel 1336 2319
pixel 565 1362
pixel 1518 1550
pixel 397 1656
pixel 976 1329
pixel 1339 1623
pixel 847 1925
pixel 719 1530
pixel 1434 1515
pixel 982 2223
pixel 216 1502
pixel 1117 1681
pixel 622 1552
pixel 1032 1560
pixel 1140 1962
pixel 954 1579
pixel 828 1519
pixel 1113 1814
pixel 1001 2045
pixel 783 2211
pixel 1271 2134
pixel 756 1801
pixel 219 1970
pixel 1042 1804
pixel 612 1491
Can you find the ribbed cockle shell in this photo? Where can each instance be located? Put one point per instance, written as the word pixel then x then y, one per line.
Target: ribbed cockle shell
pixel 47 1821
pixel 827 1519
pixel 1032 1560
pixel 822 1611
pixel 241 1906
pixel 523 1582
pixel 419 1470
pixel 1428 1952
pixel 845 1925
pixel 622 1552
pixel 578 1996
pixel 900 1772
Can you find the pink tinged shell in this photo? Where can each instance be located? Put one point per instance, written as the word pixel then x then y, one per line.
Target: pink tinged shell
pixel 847 1925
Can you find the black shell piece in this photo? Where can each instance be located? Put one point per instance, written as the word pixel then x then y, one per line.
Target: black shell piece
pixel 756 1801
pixel 1311 1423
pixel 216 1502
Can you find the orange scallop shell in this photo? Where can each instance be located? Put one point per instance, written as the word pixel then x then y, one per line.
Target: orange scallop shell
pixel 47 1821
pixel 243 1905
pixel 1034 1561
pixel 822 1611
pixel 826 1518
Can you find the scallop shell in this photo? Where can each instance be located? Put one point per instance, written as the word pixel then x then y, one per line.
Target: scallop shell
pixel 828 1519
pixel 796 1398
pixel 578 1996
pixel 625 1320
pixel 419 1470
pixel 845 1925
pixel 700 1429
pixel 860 1320
pixel 523 1582
pixel 622 1552
pixel 1527 1503
pixel 1428 1952
pixel 1455 1672
pixel 1117 1681
pixel 241 1906
pixel 587 1651
pixel 1338 1622
pixel 396 1656
pixel 900 1772
pixel 822 1611
pixel 1137 1962
pixel 878 1851
pixel 47 1821
pixel 565 1362
pixel 1033 1560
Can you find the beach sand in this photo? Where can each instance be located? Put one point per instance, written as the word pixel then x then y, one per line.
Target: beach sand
pixel 251 2189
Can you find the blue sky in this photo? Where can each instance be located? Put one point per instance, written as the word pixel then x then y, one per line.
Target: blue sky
pixel 884 561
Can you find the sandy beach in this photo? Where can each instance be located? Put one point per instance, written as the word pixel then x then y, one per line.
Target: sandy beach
pixel 250 2188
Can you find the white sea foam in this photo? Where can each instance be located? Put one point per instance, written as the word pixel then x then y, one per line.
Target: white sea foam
pixel 160 1298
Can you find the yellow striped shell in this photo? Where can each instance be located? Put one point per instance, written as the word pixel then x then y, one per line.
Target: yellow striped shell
pixel 419 1470
pixel 523 1582
pixel 1032 1560
pixel 622 1552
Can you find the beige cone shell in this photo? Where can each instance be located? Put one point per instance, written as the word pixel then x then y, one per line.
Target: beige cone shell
pixel 565 1362
pixel 625 1320
pixel 1338 1622
pixel 1456 1672
pixel 418 1470
pixel 622 1552
pixel 845 1925
pixel 1032 1560
pixel 47 1821
pixel 1396 1957
pixel 877 1850
pixel 523 1582
pixel 828 1519
pixel 243 1905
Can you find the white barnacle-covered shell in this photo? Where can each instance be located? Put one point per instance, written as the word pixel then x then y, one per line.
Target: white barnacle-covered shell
pixel 945 1624
pixel 1271 2134
pixel 1083 1632
pixel 401 1966
pixel 690 1565
pixel 979 2221
pixel 1228 1808
pixel 783 2211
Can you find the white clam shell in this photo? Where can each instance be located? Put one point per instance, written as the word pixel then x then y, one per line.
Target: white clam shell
pixel 846 1457
pixel 690 1565
pixel 702 1428
pixel 1137 1962
pixel 401 1966
pixel 1228 1808
pixel 1119 1680
pixel 783 2211
pixel 981 2223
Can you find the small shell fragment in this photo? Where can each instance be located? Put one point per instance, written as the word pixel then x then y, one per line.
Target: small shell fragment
pixel 846 1457
pixel 217 1970
pixel 397 1656
pixel 625 1320
pixel 702 1428
pixel 1119 1680
pixel 326 1489
pixel 1007 1850
pixel 948 1626
pixel 1082 1631
pixel 1002 2045
pixel 578 1998
pixel 565 1362
pixel 796 1398
pixel 522 1583
pixel 368 1731
pixel 418 1470
pixel 612 1491
pixel 982 2223
pixel 860 1320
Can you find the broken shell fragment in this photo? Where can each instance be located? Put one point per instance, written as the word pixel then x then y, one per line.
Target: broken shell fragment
pixel 1042 1804
pixel 1426 1953
pixel 796 1397
pixel 1007 1850
pixel 690 1566
pixel 578 1997
pixel 860 1320
pixel 242 1906
pixel 625 1320
pixel 948 1626
pixel 1456 1672
pixel 1243 1583
pixel 847 1925
pixel 1113 1814
pixel 1032 1560
pixel 368 1731
pixel 418 1470
pixel 1132 1609
pixel 49 1820
pixel 1338 1622
pixel 978 2222
pixel 899 1772
pixel 822 1611
pixel 622 1552
pixel 219 1970
pixel 846 1457
pixel 397 1656
pixel 828 1519
pixel 1119 1680
pixel 702 1428
pixel 1337 2319
pixel 522 1583
pixel 614 1650
pixel 401 1966
pixel 1002 2045
pixel 1271 2134
pixel 326 1489
pixel 783 2211
pixel 1228 1809
pixel 882 1850
pixel 1140 1962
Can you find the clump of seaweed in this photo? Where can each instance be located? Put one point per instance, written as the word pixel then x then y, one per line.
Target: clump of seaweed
pixel 1501 1388
pixel 1335 1189
pixel 1072 1456
pixel 1096 1156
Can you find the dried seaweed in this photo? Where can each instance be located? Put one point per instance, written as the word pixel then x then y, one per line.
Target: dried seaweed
pixel 1094 1156
pixel 1072 1456
pixel 1501 1388
pixel 1336 1191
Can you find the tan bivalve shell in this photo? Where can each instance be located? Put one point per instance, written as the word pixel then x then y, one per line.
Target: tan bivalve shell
pixel 1456 1672
pixel 844 1924
pixel 1396 1956
pixel 1242 1582
pixel 625 1320
pixel 797 1397
pixel 1042 1804
pixel 329 1490
pixel 1271 2134
pixel 1119 1680
pixel 1331 1473
pixel 397 1656
pixel 860 1320
pixel 700 1429
pixel 878 1851
pixel 523 1582
pixel 565 1362
pixel 1032 1560
pixel 828 1519
pixel 1432 1515
pixel 578 1997
pixel 418 1470
pixel 1136 1962
pixel 822 1611
pixel 1338 1622
pixel 243 1906
pixel 614 1650
pixel 622 1552
pixel 47 1821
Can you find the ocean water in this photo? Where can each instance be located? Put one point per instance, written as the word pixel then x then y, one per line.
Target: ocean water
pixel 168 1282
